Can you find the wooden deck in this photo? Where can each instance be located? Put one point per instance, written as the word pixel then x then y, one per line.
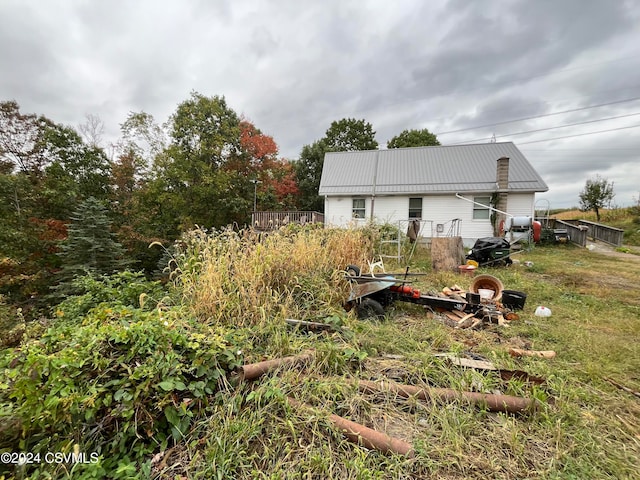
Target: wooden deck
pixel 265 221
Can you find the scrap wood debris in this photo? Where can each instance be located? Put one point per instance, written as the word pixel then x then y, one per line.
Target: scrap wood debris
pixel 518 352
pixel 491 311
pixel 493 402
pixel 482 364
pixel 361 434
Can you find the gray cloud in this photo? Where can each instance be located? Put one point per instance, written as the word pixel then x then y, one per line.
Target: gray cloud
pixel 293 67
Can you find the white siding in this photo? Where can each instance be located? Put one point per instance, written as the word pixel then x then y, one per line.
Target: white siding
pixel 521 204
pixel 391 209
pixel 445 208
pixel 438 209
pixel 338 211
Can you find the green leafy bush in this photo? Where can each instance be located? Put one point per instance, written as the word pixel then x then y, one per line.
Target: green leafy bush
pixel 127 368
pixel 125 288
pixel 121 380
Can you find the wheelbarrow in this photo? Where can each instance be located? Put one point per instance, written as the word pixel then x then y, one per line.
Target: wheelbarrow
pixel 371 294
pixel 491 251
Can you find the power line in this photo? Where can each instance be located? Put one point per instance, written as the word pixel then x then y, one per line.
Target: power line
pixel 493 137
pixel 527 79
pixel 631 149
pixel 540 116
pixel 580 134
pixel 518 81
pixel 540 102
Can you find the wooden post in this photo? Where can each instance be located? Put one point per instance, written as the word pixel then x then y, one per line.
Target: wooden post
pixel 447 253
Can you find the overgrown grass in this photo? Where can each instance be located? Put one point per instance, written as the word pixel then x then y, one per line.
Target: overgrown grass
pixel 250 279
pixel 246 286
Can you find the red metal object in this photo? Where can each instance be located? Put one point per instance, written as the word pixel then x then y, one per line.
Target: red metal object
pixel 537 231
pixel 406 290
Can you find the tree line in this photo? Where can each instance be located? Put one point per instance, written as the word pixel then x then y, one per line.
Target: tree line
pixel 70 205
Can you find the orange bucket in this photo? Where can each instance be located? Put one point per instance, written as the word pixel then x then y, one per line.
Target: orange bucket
pixel 468 270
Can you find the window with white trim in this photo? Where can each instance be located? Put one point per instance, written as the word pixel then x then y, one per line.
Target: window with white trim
pixel 480 212
pixel 358 208
pixel 415 208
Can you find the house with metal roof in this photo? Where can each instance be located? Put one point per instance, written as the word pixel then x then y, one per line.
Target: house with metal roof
pixel 467 188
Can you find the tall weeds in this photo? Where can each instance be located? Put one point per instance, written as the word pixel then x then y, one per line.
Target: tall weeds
pixel 246 279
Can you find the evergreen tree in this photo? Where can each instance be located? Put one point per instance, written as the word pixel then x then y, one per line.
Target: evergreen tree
pixel 90 247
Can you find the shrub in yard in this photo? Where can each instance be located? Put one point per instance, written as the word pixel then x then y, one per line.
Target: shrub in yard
pixel 120 380
pixel 126 369
pixel 90 246
pixel 125 288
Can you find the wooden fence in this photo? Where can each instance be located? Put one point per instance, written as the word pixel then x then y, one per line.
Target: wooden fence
pixel 274 220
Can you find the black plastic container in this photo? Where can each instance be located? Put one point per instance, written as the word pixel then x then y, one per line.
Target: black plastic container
pixel 473 298
pixel 513 299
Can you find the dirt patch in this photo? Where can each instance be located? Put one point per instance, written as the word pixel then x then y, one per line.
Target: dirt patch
pixel 610 250
pixel 396 424
pixel 594 280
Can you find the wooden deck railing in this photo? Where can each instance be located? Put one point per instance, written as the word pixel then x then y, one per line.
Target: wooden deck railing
pixel 273 220
pixel 604 233
pixel 576 234
pixel 580 230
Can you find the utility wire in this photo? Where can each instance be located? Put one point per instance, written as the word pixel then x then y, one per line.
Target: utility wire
pixel 630 149
pixel 546 129
pixel 540 102
pixel 540 116
pixel 580 134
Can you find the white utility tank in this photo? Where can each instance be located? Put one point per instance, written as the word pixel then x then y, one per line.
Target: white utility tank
pixel 518 223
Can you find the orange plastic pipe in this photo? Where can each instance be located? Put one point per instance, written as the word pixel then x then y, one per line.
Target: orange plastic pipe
pixel 494 403
pixel 365 436
pixel 254 370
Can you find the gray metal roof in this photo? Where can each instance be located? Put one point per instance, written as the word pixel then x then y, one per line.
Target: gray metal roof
pixel 444 169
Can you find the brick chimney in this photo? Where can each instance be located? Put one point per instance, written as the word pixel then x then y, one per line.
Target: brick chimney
pixel 502 173
pixel 502 184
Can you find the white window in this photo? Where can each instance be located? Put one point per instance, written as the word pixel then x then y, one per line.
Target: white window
pixel 415 208
pixel 358 210
pixel 480 212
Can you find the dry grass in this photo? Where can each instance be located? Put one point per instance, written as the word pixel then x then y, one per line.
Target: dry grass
pixel 248 279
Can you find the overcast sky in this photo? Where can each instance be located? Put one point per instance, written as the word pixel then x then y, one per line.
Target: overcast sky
pixel 292 67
